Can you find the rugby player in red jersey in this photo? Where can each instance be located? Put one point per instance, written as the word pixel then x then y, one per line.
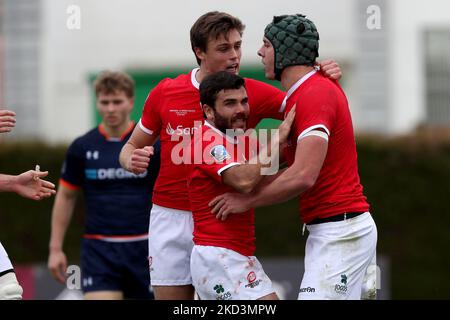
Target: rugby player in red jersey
pixel 170 112
pixel 223 158
pixel 340 256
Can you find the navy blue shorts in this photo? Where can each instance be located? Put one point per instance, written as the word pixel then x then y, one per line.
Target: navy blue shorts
pixel 116 266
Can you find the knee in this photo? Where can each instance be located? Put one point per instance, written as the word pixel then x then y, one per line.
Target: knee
pixel 10 289
pixel 370 284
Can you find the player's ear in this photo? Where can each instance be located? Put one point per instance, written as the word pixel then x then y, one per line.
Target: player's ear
pixel 208 112
pixel 199 53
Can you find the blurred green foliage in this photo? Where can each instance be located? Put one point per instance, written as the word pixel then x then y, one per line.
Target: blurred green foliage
pixel 406 181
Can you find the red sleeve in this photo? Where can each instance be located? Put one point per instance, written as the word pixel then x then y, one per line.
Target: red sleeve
pixel 151 115
pixel 265 101
pixel 216 159
pixel 315 109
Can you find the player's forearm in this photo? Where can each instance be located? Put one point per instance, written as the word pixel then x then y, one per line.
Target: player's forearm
pixel 246 177
pixel 6 183
pixel 61 216
pixel 268 179
pixel 285 186
pixel 243 178
pixel 125 155
pixel 9 183
pixel 270 157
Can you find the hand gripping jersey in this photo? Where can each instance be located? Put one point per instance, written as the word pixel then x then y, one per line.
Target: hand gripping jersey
pixel 117 202
pixel 321 105
pixel 219 153
pixel 173 109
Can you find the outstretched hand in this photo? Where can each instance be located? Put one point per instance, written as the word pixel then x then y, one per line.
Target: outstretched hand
pixel 29 185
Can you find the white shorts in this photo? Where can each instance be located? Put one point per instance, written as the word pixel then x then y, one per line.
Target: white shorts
pixel 340 260
pixel 5 263
pixel 223 274
pixel 170 246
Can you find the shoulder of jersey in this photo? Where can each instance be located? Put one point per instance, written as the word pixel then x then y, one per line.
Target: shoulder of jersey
pixel 180 80
pixel 89 136
pixel 318 82
pixel 318 77
pixel 253 81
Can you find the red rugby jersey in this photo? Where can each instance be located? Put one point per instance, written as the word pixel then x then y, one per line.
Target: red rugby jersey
pixel 321 104
pixel 172 110
pixel 219 153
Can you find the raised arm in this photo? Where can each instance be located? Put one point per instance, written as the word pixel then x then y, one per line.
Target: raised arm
pixel 299 177
pixel 245 177
pixel 28 185
pixel 136 153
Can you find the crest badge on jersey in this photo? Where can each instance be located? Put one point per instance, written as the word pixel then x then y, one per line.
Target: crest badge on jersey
pixel 220 153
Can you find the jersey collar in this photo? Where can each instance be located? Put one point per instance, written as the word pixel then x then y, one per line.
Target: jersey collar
pixel 101 129
pixel 296 86
pixel 229 139
pixel 194 81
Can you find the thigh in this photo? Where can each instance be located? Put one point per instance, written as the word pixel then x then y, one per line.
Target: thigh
pixel 336 258
pixel 100 266
pixel 136 276
pixel 371 280
pixel 170 246
pixel 103 295
pixel 185 292
pixel 223 274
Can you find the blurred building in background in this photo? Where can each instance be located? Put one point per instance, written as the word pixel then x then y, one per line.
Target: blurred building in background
pixel 395 54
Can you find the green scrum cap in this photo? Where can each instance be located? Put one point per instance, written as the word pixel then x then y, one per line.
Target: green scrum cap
pixel 295 41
